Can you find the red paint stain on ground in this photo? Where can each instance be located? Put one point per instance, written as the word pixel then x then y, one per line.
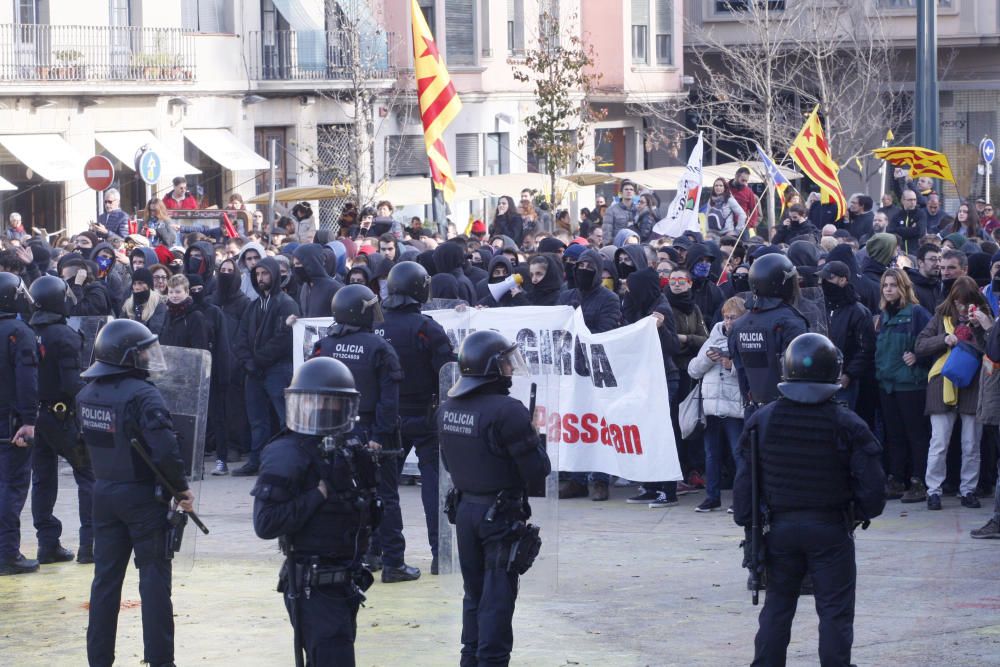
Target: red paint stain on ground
pixel 126 604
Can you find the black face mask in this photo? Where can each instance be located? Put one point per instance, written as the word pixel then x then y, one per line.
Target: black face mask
pixel 195 265
pixel 228 281
pixel 198 297
pixel 300 274
pixel 741 282
pixel 140 298
pixel 625 270
pixel 834 294
pixel 584 277
pixel 497 279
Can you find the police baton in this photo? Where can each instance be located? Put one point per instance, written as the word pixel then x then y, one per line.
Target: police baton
pixel 10 441
pixel 165 484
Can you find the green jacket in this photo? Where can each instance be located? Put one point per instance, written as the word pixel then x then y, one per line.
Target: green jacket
pixel 896 335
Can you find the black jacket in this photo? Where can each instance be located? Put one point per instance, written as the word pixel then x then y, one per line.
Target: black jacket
pixel 805 229
pixel 928 290
pixel 601 307
pixel 185 327
pixel 207 268
pixel 705 293
pixel 868 294
pixel 449 258
pixel 509 224
pixel 507 300
pixel 861 226
pixel 852 330
pixel 233 303
pixel 910 227
pixel 546 293
pixel 263 339
pixel 316 294
pixel 645 298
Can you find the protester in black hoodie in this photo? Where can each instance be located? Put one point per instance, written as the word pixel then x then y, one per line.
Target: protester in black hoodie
pixel 233 303
pixel 92 296
pixel 111 274
pixel 219 346
pixel 852 330
pixel 796 224
pixel 449 258
pixel 199 259
pixel 705 293
pixel 868 294
pixel 500 270
pixel 264 348
pixel 601 307
pixel 185 326
pixel 317 287
pixel 546 280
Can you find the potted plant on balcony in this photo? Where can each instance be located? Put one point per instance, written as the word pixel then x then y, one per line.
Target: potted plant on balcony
pixel 69 65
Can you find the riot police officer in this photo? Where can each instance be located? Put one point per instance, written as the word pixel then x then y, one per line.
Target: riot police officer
pixel 423 348
pixel 377 374
pixel 117 405
pixel 819 474
pixel 56 432
pixel 316 492
pixel 759 338
pixel 490 447
pixel 18 409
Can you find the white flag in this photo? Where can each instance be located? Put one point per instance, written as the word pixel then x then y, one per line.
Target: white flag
pixel 682 214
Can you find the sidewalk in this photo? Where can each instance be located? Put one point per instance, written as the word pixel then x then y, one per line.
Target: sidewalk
pixel 636 587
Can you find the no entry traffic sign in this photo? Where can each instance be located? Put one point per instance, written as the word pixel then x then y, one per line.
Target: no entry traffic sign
pixel 99 173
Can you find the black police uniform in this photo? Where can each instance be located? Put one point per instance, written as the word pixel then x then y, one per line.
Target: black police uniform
pixel 56 434
pixel 490 447
pixel 128 516
pixel 377 374
pixel 423 348
pixel 819 471
pixel 18 406
pixel 323 538
pixel 756 343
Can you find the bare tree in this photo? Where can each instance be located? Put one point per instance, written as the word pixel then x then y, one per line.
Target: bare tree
pixel 834 54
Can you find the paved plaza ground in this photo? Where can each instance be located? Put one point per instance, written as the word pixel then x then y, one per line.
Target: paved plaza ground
pixel 636 587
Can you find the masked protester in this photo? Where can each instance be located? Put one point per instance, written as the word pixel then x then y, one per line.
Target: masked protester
pixel 145 305
pixel 233 304
pixel 545 280
pixel 317 288
pixel 91 296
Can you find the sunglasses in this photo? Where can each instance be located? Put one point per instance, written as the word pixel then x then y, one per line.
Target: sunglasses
pixel 679 281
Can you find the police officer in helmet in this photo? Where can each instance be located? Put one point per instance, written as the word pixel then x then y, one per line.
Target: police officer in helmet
pixel 18 409
pixel 377 374
pixel 316 492
pixel 423 348
pixel 490 447
pixel 117 405
pixel 56 432
pixel 759 338
pixel 819 475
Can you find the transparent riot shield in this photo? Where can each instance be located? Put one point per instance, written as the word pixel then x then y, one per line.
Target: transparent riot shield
pixel 442 304
pixel 89 326
pixel 539 392
pixel 810 303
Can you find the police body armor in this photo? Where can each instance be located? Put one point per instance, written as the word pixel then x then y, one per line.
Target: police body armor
pixel 17 345
pixel 108 423
pixel 342 527
pixel 757 337
pixel 805 467
pixel 359 351
pixel 477 464
pixel 59 352
pixel 404 331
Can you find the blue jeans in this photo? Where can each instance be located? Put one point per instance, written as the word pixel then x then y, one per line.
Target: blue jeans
pixel 265 392
pixel 716 430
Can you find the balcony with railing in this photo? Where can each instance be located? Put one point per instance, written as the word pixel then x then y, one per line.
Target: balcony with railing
pixel 298 55
pixel 32 53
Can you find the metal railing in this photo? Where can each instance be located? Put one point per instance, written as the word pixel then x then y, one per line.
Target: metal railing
pixel 295 55
pixel 37 52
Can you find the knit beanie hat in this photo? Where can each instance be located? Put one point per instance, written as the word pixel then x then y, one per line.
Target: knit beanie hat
pixel 881 247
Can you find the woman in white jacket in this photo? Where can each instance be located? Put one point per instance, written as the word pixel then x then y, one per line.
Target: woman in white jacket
pixel 720 391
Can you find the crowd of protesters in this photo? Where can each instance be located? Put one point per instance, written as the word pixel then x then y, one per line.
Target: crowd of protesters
pixel 908 290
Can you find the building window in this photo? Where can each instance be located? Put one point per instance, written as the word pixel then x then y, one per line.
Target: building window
pixel 723 6
pixel 664 32
pixel 909 4
pixel 496 153
pixel 202 15
pixel 460 32
pixel 467 154
pixel 405 155
pixel 27 12
pixel 427 9
pixel 484 29
pixel 640 32
pixel 515 27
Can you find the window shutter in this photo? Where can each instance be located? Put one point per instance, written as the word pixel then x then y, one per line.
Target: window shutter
pixel 406 155
pixel 209 13
pixel 640 12
pixel 467 154
pixel 460 32
pixel 189 14
pixel 664 17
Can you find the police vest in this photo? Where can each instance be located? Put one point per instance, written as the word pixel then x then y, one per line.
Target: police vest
pixel 361 352
pixel 803 462
pixel 58 351
pixel 16 347
pixel 758 338
pixel 403 330
pixel 477 463
pixel 107 411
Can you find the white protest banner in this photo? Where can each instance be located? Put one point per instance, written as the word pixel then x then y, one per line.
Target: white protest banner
pixel 682 214
pixel 608 409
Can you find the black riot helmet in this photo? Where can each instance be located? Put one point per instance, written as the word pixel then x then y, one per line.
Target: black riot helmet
pixel 356 306
pixel 51 296
pixel 484 357
pixel 811 369
pixel 14 297
pixel 408 283
pixel 322 399
pixel 122 346
pixel 773 275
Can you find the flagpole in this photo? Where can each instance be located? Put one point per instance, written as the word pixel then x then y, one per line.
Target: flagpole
pixel 742 232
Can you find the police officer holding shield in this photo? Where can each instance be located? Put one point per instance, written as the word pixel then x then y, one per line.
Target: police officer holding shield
pixel 423 348
pixel 819 474
pixel 490 447
pixel 377 374
pixel 316 492
pixel 130 514
pixel 18 409
pixel 56 432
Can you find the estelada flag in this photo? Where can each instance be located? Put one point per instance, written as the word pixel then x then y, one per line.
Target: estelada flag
pixel 811 152
pixel 781 184
pixel 439 102
pixel 921 161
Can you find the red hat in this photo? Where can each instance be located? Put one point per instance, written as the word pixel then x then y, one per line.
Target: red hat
pixel 366 250
pixel 163 254
pixel 478 227
pixel 580 240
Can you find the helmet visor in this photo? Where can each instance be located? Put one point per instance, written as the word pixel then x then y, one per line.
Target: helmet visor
pixel 512 363
pixel 150 358
pixel 320 414
pixel 23 293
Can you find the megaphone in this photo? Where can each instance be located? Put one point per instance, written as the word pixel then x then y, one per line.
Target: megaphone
pixel 498 290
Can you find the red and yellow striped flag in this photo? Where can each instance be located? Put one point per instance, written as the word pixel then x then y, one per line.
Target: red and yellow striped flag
pixel 812 153
pixel 439 103
pixel 921 161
